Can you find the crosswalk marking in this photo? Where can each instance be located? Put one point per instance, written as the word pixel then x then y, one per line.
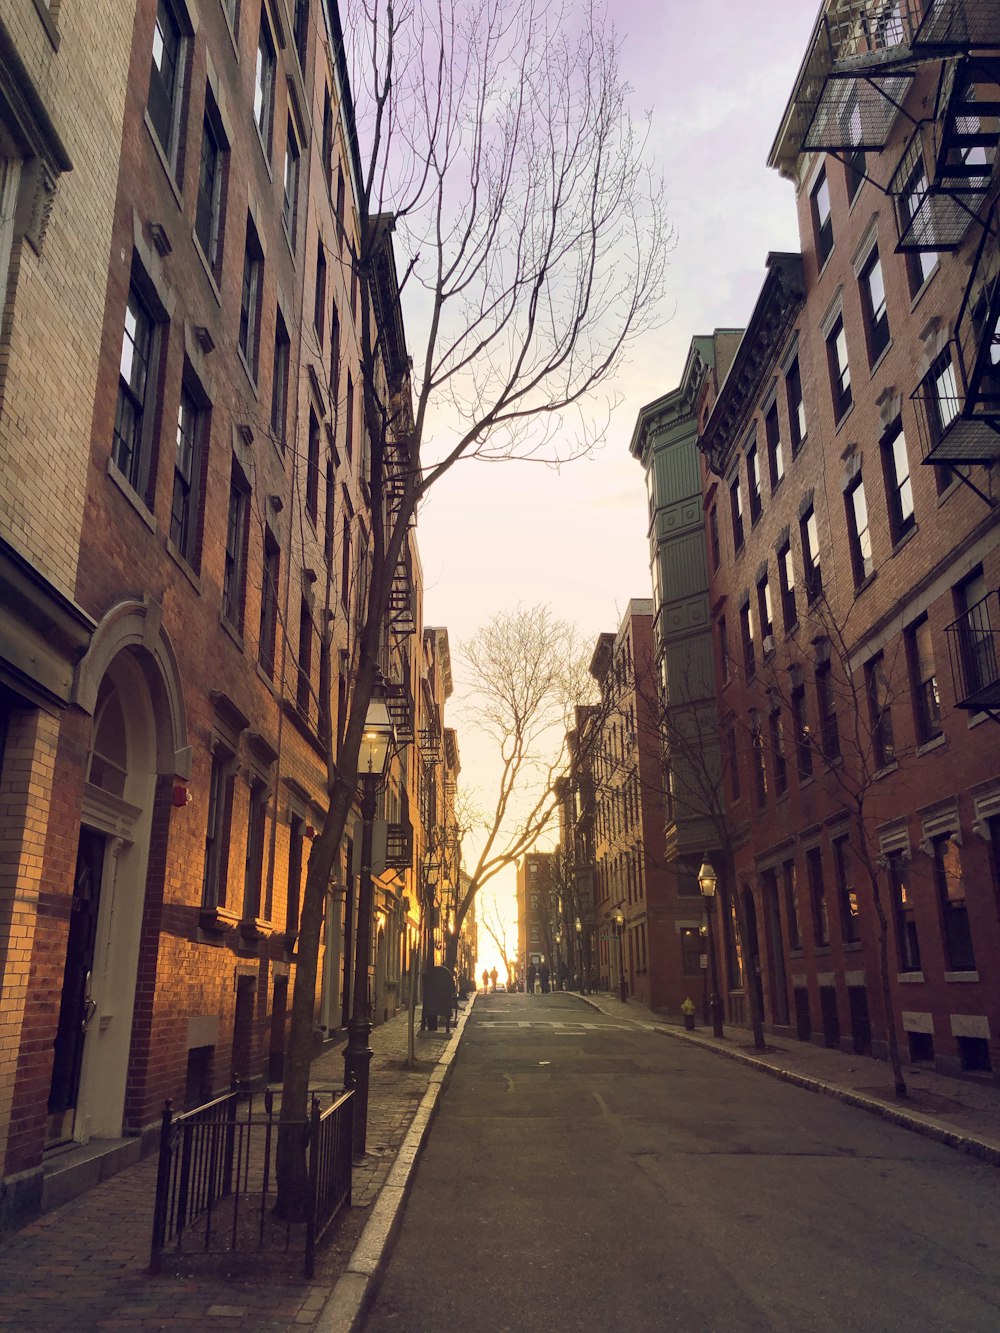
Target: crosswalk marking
pixel 570 1028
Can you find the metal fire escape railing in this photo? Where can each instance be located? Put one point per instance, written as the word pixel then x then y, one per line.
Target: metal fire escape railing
pixel 973 640
pixel 855 76
pixel 949 26
pixel 958 402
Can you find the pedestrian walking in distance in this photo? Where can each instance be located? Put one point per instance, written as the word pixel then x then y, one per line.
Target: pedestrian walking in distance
pixel 486 981
pixel 493 979
pixel 532 973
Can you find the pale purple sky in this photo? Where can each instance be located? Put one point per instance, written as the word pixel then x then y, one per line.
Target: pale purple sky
pixel 716 77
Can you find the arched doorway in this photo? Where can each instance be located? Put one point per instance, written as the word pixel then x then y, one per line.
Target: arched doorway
pixel 93 1039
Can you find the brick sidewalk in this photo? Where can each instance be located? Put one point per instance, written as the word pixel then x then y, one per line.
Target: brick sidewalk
pixel 83 1266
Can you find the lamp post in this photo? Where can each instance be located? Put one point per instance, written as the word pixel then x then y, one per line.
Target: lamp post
pixel 431 875
pixel 618 916
pixel 578 927
pixel 707 880
pixel 373 764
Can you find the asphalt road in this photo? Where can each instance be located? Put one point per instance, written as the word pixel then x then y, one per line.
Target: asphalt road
pixel 589 1173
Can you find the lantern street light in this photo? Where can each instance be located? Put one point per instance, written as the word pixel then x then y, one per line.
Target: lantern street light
pixel 707 881
pixel 377 743
pixel 578 927
pixel 618 916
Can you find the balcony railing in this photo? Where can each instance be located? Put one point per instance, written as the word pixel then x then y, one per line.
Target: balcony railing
pixel 948 434
pixel 972 648
pixel 950 26
pixel 399 846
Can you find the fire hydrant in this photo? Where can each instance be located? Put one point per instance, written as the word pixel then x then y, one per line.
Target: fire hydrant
pixel 687 1009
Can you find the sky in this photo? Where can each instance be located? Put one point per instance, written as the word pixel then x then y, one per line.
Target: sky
pixel 715 76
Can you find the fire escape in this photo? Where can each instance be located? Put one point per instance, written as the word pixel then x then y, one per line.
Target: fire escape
pixel 864 57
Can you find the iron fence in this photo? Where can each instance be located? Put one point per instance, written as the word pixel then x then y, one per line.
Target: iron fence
pixel 216 1182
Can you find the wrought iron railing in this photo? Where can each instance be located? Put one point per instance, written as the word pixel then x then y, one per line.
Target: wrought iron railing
pixel 972 648
pixel 216 1184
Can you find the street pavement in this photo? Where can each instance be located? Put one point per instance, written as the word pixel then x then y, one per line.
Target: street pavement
pixel 584 1173
pixel 559 1215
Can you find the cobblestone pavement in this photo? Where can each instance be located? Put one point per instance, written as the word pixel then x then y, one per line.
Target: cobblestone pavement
pixel 83 1266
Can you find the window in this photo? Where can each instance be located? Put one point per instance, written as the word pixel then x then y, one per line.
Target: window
pixel 777 731
pixel 296 836
pixel 211 173
pixel 775 451
pixel 874 307
pixel 349 417
pixel 817 897
pixel 289 208
pixel 856 166
pixel 279 381
pixel 846 896
pixel 263 90
pixel 858 531
pixel 256 829
pixel 800 725
pixel 713 537
pixel 786 585
pixel 827 708
pixel 822 218
pixel 692 951
pixel 950 884
pixel 234 576
pixel 791 905
pixel 329 518
pixel 185 508
pixel 923 681
pixel 733 762
pixel 300 29
pixel 232 8
pixel 166 78
pixel 759 766
pixel 765 616
pixel 796 406
pixel 312 469
pixel 334 353
pixel 899 491
pixel 753 482
pixel 269 604
pixel 253 282
pixel 736 510
pixel 319 296
pixel 975 638
pixel 840 371
pixel 345 563
pixel 303 686
pixel 220 808
pixel 942 403
pixel 920 264
pixel 907 941
pixel 340 208
pixel 880 711
pixel 811 565
pixel 746 631
pixel 327 140
pixel 724 648
pixel 132 446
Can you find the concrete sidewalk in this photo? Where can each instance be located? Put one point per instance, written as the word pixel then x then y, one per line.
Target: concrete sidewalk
pixel 962 1112
pixel 83 1266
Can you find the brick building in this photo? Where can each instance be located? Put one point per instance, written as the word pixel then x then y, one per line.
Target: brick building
pixel 195 565
pixel 537 910
pixel 854 557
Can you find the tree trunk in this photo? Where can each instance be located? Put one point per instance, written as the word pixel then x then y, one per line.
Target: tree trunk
pixel 751 966
pixel 887 1002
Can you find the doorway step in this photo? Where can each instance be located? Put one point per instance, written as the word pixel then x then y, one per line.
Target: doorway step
pixel 70 1170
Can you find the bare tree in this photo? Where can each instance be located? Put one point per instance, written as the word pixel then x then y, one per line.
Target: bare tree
pixel 491 921
pixel 494 138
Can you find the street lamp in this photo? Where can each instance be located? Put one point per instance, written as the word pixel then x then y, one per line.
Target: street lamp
pixel 578 927
pixel 373 764
pixel 618 916
pixel 557 984
pixel 432 872
pixel 707 881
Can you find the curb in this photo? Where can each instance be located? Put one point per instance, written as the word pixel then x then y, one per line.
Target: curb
pixel 355 1289
pixel 912 1120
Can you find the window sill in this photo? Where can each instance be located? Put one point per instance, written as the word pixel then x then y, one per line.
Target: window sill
pixel 876 365
pixel 934 743
pixel 961 976
pixel 232 631
pixel 918 295
pixel 910 978
pixel 249 373
pixel 48 23
pixel 217 920
pixel 288 235
pixel 821 950
pixel 853 946
pixel 265 151
pixel 229 28
pixel 797 449
pixel 865 583
pixel 886 770
pixel 844 416
pixel 185 568
pixel 904 539
pixel 212 281
pixel 163 160
pixel 131 495
pixel 267 680
pixel 255 928
pixel 826 262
